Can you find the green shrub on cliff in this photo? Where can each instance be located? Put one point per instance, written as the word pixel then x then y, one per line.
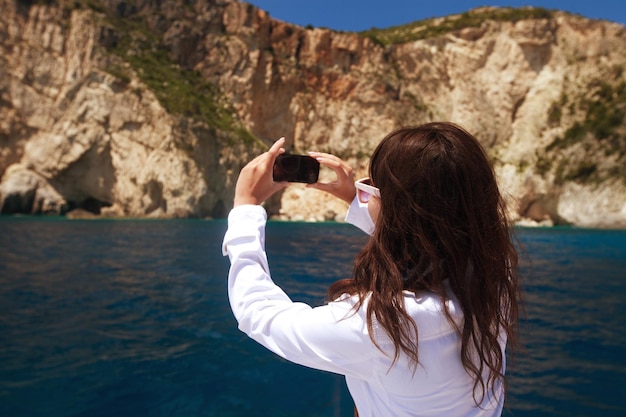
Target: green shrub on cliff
pixel 599 133
pixel 181 91
pixel 605 112
pixel 430 28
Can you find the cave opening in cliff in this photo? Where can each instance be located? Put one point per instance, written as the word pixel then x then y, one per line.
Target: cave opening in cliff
pixel 219 210
pixel 90 204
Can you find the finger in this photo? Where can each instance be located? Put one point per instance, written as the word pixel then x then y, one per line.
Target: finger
pixel 342 169
pixel 280 185
pixel 268 158
pixel 277 147
pixel 328 157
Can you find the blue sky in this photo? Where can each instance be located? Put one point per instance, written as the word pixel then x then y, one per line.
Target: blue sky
pixel 357 15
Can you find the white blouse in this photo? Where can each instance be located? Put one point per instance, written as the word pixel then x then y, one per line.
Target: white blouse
pixel 334 338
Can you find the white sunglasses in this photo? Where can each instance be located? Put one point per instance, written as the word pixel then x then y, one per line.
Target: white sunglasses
pixel 365 189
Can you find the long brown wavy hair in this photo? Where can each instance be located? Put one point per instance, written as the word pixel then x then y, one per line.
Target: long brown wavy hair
pixel 441 218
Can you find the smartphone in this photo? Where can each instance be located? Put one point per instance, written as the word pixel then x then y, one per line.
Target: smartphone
pixel 296 168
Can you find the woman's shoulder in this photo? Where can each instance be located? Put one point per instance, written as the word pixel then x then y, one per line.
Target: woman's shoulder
pixel 428 310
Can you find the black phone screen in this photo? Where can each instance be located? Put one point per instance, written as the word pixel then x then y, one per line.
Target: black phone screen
pixel 296 168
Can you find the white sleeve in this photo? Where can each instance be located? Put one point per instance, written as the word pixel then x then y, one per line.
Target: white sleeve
pixel 359 216
pixel 321 338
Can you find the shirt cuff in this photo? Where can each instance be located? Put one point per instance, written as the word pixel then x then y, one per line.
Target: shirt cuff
pixel 244 220
pixel 359 216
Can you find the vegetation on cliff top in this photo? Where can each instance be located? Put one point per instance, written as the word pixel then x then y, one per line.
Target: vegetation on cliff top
pixel 181 91
pixel 433 27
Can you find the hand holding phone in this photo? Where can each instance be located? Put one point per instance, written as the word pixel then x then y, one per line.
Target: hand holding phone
pixel 296 168
pixel 254 184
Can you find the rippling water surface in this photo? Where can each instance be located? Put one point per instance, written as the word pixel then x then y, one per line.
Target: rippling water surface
pixel 131 318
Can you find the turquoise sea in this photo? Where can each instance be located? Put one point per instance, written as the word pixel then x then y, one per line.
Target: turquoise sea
pixel 131 318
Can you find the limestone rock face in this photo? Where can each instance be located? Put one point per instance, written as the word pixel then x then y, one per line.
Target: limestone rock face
pixel 75 136
pixel 83 126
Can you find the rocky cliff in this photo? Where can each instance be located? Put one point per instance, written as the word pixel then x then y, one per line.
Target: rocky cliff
pixel 146 108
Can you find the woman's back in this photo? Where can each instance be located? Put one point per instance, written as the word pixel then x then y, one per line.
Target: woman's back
pixel 440 385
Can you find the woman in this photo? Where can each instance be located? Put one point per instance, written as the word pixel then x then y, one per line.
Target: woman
pixel 421 327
